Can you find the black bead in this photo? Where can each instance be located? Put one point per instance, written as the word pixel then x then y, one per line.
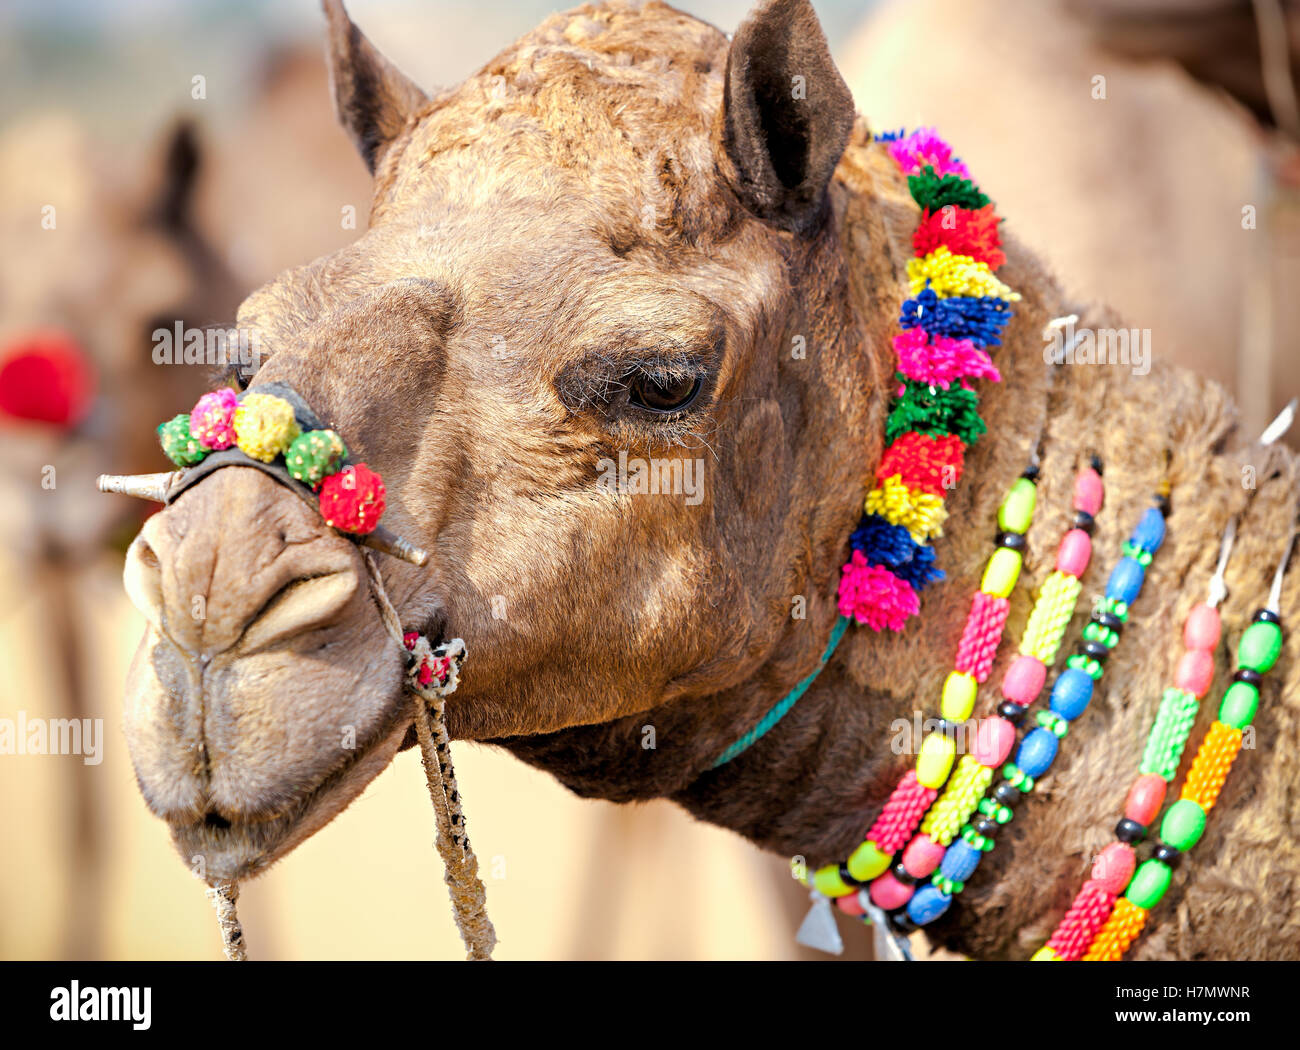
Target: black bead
pixel 1245 674
pixel 1094 461
pixel 1094 649
pixel 1109 620
pixel 1162 504
pixel 1130 831
pixel 1006 793
pixel 1011 540
pixel 847 877
pixel 1030 472
pixel 986 827
pixel 900 921
pixel 1084 520
pixel 1266 616
pixel 1167 854
pixel 1012 712
pixel 904 876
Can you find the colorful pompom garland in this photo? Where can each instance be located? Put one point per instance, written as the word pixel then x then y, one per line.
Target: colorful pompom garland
pixel 957 309
pixel 264 427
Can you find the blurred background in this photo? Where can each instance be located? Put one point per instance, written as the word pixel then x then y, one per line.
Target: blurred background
pixel 160 159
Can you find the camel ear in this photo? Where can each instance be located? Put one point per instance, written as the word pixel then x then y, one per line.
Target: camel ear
pixel 787 114
pixel 181 157
pixel 373 98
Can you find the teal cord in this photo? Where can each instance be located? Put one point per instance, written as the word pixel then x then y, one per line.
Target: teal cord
pixel 783 706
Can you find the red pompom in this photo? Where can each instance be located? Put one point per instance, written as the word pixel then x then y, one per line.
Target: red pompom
pixel 353 499
pixel 931 464
pixel 46 377
pixel 964 232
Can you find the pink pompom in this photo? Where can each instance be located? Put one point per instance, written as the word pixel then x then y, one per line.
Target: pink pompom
pixel 922 856
pixel 213 420
pixel 1073 554
pixel 993 742
pixel 1024 680
pixel 1202 628
pixel 923 147
pixel 874 596
pixel 1195 672
pixel 939 360
pixel 1114 867
pixel 888 893
pixel 1088 491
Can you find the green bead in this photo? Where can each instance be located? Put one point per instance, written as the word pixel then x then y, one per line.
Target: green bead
pixel 1149 883
pixel 1118 609
pixel 1017 510
pixel 1183 825
pixel 1261 644
pixel 1239 705
pixel 179 444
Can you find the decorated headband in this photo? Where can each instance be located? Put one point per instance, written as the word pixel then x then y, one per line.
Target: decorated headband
pixel 274 430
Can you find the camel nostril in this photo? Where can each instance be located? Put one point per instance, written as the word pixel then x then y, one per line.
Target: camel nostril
pixel 142 577
pixel 216 821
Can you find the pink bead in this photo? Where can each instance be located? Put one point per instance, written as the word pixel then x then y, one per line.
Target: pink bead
pixel 1088 491
pixel 1195 672
pixel 1114 867
pixel 888 893
pixel 993 742
pixel 922 856
pixel 850 904
pixel 1145 798
pixel 1073 554
pixel 1024 680
pixel 1202 628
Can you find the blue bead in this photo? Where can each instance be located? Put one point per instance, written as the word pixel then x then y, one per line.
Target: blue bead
pixel 1125 581
pixel 927 904
pixel 1072 693
pixel 1150 531
pixel 1036 753
pixel 960 862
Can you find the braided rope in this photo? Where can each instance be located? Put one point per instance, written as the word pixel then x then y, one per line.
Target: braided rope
pixel 1090 911
pixel 1119 931
pixel 223 896
pixel 959 800
pixel 1050 617
pixel 468 898
pixel 981 635
pixel 898 819
pixel 1210 767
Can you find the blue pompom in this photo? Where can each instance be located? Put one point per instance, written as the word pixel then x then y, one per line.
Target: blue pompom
pixel 1125 582
pixel 1150 531
pixel 1037 751
pixel 892 546
pixel 927 904
pixel 977 318
pixel 960 862
pixel 1072 693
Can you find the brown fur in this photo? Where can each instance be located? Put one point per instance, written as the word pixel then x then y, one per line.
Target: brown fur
pixel 537 231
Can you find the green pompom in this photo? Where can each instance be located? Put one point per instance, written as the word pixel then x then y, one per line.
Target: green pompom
pixel 179 445
pixel 314 455
pixel 935 411
pixel 931 191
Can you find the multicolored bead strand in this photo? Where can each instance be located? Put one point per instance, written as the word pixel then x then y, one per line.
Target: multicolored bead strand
pixel 974 662
pixel 1115 865
pixel 996 735
pixel 1184 822
pixel 1070 697
pixel 958 308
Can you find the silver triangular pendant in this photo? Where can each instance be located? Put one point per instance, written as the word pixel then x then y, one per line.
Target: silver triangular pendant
pixel 889 946
pixel 818 929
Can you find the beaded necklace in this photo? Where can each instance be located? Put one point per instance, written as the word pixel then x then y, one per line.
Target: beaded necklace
pixel 1184 821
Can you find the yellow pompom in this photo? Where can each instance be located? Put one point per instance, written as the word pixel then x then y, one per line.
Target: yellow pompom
pixel 264 426
pixel 950 274
pixel 921 513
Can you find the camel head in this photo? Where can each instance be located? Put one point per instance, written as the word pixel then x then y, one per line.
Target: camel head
pixel 598 341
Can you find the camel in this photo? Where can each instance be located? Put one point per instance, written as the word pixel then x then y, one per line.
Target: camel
pixel 626 235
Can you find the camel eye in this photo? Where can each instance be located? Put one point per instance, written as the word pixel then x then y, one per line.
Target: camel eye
pixel 662 395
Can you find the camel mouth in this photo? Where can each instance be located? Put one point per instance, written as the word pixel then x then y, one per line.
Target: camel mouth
pixel 218 846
